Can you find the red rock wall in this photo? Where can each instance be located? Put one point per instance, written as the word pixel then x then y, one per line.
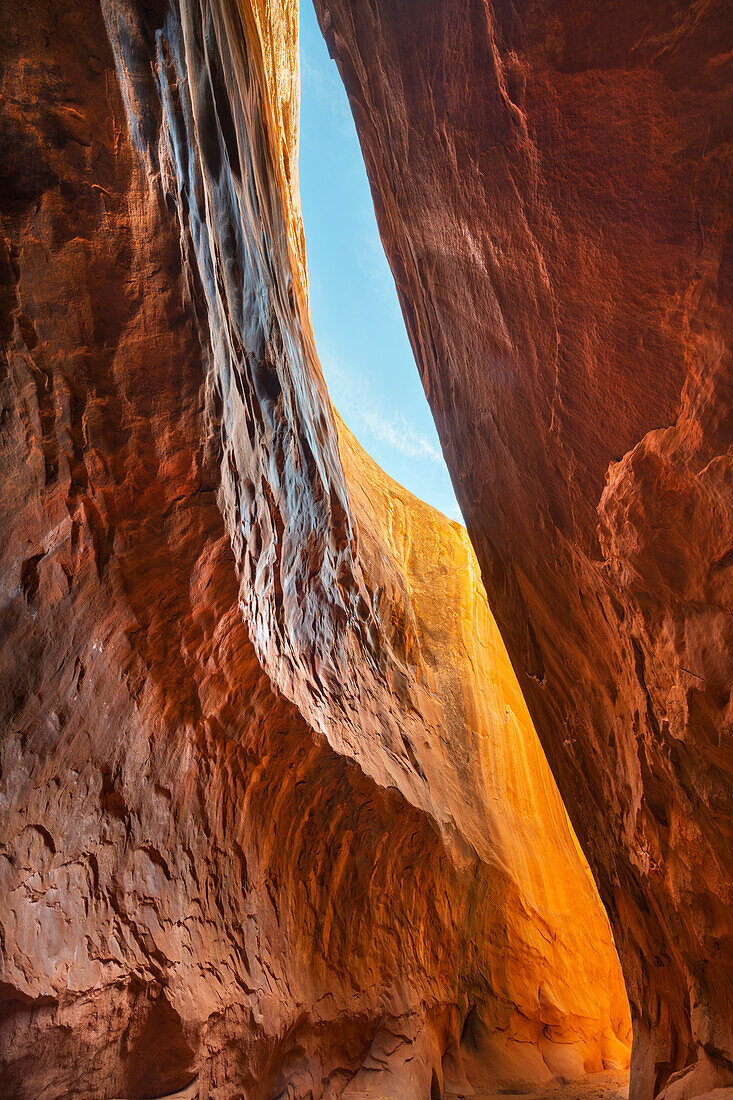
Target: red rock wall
pixel 274 816
pixel 553 188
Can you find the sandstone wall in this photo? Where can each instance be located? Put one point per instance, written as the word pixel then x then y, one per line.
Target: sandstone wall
pixel 553 188
pixel 275 820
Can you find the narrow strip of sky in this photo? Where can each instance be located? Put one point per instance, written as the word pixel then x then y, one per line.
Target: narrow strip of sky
pixel 360 334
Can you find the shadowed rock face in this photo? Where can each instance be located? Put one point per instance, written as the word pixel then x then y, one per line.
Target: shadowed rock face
pixel 275 819
pixel 553 188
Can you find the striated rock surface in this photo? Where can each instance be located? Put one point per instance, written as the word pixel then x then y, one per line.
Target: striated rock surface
pixel 275 821
pixel 553 188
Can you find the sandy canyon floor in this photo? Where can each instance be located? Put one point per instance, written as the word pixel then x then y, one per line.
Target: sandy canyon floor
pixel 596 1086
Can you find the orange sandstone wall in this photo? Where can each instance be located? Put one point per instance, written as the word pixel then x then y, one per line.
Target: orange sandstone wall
pixel 274 816
pixel 553 188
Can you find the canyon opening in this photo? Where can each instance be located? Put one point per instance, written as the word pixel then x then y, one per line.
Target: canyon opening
pixel 307 791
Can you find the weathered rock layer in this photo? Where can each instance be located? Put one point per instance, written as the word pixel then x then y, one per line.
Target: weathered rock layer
pixel 553 188
pixel 274 815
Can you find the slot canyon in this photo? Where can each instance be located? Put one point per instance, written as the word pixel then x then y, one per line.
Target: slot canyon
pixel 307 791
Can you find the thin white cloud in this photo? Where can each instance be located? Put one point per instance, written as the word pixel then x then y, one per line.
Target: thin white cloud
pixel 357 403
pixel 364 412
pixel 399 434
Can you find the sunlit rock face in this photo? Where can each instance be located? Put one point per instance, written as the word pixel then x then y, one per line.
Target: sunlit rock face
pixel 553 187
pixel 275 820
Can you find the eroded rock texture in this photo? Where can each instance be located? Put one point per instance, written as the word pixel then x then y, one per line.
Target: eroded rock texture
pixel 274 816
pixel 553 187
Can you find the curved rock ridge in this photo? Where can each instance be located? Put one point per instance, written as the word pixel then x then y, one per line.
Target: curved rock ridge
pixel 275 821
pixel 553 188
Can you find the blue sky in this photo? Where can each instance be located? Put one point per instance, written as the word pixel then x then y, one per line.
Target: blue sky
pixel 360 334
